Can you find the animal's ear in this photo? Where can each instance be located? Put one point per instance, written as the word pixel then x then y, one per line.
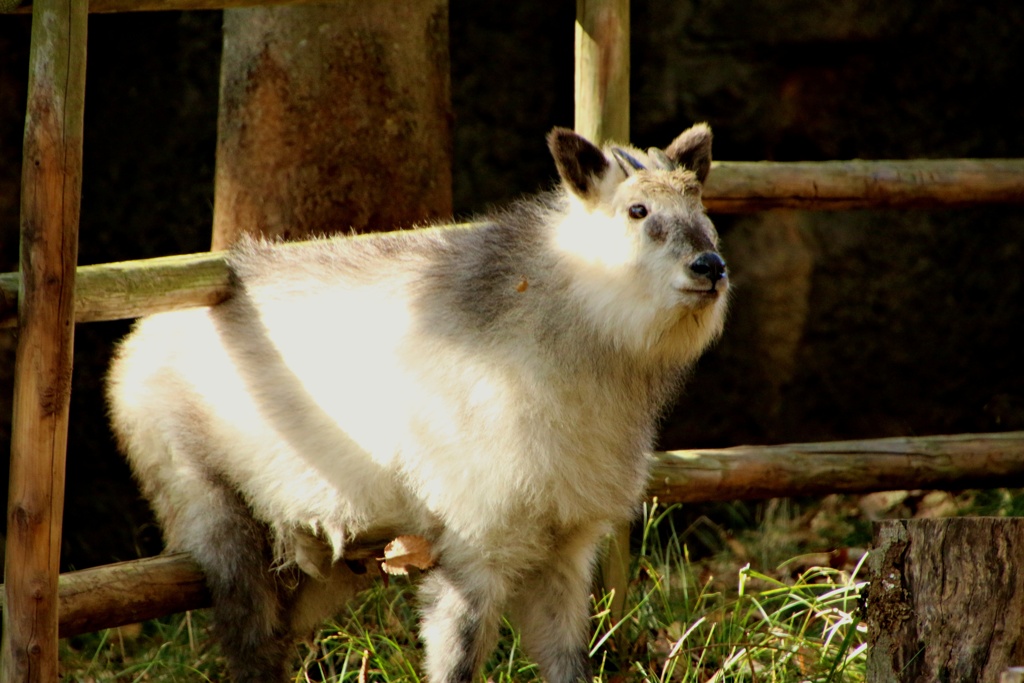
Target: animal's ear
pixel 581 165
pixel 692 150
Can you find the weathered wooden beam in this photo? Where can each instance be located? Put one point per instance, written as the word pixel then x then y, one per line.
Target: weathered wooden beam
pixel 602 70
pixel 810 469
pixel 136 590
pixel 744 186
pixel 110 6
pixel 122 593
pixel 51 185
pixel 146 286
pixel 130 289
pixel 130 592
pixel 602 115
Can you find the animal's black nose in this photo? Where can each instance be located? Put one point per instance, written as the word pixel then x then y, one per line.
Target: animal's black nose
pixel 709 265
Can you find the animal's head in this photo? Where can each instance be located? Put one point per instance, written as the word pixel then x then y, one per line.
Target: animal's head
pixel 644 250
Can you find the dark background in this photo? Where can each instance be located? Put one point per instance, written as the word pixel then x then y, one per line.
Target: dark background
pixel 844 325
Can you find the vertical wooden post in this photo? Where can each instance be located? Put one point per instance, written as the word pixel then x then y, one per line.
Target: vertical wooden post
pixel 51 192
pixel 602 115
pixel 333 118
pixel 602 70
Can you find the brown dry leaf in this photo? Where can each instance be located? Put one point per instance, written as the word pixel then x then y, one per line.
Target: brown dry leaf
pixel 405 552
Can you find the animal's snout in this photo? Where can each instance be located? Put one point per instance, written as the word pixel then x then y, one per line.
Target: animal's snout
pixel 709 265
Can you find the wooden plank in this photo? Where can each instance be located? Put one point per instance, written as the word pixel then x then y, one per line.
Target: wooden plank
pixel 744 186
pixel 50 202
pixel 130 592
pixel 134 288
pixel 110 6
pixel 130 289
pixel 145 286
pixel 113 595
pixel 811 469
pixel 136 590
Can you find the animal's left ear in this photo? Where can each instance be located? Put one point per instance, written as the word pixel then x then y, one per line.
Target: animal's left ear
pixel 692 150
pixel 581 165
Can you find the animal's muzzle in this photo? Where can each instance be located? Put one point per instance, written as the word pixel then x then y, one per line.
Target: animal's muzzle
pixel 709 265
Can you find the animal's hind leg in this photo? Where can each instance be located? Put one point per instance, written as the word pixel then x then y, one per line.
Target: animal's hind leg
pixel 215 526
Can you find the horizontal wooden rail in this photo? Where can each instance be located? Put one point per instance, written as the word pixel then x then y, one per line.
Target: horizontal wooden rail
pixel 110 6
pixel 129 592
pixel 742 186
pixel 810 469
pixel 137 590
pixel 112 595
pixel 130 289
pixel 134 288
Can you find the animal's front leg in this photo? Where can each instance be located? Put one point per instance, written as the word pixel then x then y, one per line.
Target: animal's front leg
pixel 552 610
pixel 461 613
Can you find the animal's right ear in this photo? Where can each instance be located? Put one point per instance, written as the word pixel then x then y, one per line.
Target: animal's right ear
pixel 692 150
pixel 581 165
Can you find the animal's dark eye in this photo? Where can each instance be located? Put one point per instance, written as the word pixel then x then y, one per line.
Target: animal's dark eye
pixel 638 211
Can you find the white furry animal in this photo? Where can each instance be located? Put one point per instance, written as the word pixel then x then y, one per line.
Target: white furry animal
pixel 494 389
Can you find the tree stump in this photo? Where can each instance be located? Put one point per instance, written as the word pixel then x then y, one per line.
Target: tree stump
pixel 946 600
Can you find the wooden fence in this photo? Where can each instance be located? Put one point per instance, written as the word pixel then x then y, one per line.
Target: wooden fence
pixel 128 592
pixel 49 295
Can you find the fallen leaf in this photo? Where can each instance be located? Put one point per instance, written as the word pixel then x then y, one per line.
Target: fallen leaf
pixel 405 552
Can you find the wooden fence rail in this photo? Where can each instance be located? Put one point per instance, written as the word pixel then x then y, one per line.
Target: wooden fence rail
pixel 111 6
pixel 134 288
pixel 755 472
pixel 742 186
pixel 129 289
pixel 112 595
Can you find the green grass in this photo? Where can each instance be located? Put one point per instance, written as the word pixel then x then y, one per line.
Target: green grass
pixel 725 617
pixel 176 648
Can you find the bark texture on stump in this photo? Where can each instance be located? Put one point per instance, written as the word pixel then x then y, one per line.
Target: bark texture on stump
pixel 332 118
pixel 946 600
